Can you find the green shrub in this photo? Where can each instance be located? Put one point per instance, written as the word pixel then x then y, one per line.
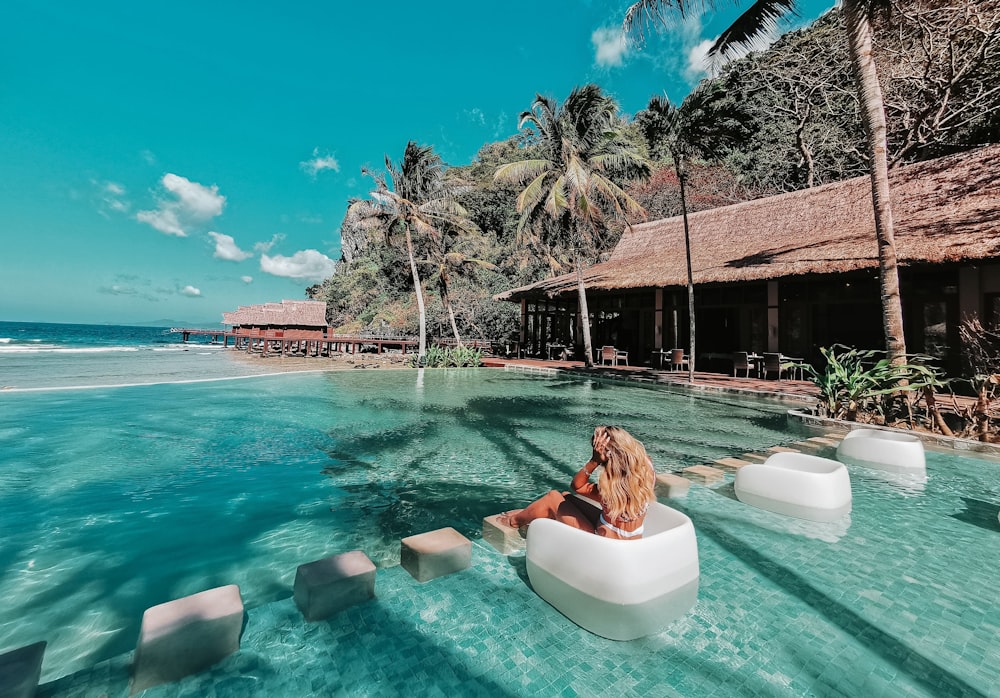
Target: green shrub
pixel 449 357
pixel 858 382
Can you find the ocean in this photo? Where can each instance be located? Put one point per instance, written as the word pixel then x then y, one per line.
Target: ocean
pixel 38 355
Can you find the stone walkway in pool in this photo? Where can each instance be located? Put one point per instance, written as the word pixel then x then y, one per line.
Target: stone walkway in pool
pixel 761 627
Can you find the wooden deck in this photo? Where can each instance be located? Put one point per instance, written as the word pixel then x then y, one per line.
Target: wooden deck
pixel 797 390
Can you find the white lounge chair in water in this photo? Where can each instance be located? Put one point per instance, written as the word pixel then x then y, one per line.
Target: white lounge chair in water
pixel 892 452
pixel 807 487
pixel 618 589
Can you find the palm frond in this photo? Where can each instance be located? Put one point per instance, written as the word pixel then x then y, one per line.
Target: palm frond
pixel 521 171
pixel 533 194
pixel 757 22
pixel 641 15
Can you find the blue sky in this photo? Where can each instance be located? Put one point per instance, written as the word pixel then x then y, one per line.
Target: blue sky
pixel 177 160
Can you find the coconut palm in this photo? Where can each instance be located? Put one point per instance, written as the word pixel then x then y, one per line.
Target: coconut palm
pixel 449 258
pixel 412 203
pixel 568 190
pixel 702 123
pixel 759 20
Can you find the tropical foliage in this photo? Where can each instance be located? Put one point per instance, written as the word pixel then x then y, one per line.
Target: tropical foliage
pixel 803 116
pixel 705 121
pixel 569 187
pixel 448 357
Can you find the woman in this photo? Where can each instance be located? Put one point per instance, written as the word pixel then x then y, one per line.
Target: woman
pixel 623 491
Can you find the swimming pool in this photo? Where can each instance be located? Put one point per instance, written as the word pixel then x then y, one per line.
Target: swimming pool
pixel 112 500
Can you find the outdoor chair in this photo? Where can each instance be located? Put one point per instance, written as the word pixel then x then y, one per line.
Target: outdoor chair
pixel 741 362
pixel 772 364
pixel 677 360
pixel 608 355
pixel 618 589
pixel 621 356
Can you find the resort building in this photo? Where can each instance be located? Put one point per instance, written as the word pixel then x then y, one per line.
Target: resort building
pixel 304 316
pixel 793 273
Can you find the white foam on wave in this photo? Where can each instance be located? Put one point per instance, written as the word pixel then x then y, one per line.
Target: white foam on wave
pixel 56 349
pixel 14 389
pixel 4 340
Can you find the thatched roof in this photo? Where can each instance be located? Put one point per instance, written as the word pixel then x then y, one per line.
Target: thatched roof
pixel 945 210
pixel 283 314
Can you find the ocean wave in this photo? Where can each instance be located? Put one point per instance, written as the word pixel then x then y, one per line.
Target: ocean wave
pixel 56 349
pixel 4 340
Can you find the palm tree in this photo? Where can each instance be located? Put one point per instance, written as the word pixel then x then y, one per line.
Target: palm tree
pixel 414 201
pixel 568 190
pixel 446 261
pixel 703 122
pixel 759 20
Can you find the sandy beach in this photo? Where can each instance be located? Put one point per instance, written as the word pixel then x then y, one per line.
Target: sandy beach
pixel 338 362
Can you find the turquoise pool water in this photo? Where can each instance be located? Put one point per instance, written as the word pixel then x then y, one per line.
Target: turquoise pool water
pixel 113 500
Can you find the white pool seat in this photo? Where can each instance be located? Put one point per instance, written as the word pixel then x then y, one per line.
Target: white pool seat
pixel 884 450
pixel 618 589
pixel 795 484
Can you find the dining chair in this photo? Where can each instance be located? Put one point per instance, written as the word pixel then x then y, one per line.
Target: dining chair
pixel 741 362
pixel 609 355
pixel 621 356
pixel 677 360
pixel 772 364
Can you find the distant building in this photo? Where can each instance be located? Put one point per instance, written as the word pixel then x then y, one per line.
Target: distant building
pixel 286 315
pixel 794 272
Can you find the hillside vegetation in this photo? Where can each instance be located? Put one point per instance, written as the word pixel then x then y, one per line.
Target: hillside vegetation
pixel 797 109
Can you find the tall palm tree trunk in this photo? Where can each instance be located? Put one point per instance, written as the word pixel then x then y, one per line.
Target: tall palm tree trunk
pixel 446 301
pixel 859 34
pixel 422 346
pixel 681 174
pixel 588 346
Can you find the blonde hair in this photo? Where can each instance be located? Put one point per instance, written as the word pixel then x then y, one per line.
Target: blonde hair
pixel 627 483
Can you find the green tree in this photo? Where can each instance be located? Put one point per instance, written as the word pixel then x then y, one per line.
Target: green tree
pixel 701 124
pixel 570 187
pixel 410 202
pixel 758 20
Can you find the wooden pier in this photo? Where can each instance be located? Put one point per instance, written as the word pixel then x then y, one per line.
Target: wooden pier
pixel 310 343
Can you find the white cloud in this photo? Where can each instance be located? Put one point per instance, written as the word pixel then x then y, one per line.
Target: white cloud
pixel 200 202
pixel 610 46
pixel 246 279
pixel 698 63
pixel 306 265
pixel 110 197
pixel 318 163
pixel 164 220
pixel 191 291
pixel 227 249
pixel 193 204
pixel 263 247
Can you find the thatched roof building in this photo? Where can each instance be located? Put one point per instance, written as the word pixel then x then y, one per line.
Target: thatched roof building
pixel 298 314
pixel 946 210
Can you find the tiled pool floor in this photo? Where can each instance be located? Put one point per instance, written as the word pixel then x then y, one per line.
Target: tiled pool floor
pixel 785 608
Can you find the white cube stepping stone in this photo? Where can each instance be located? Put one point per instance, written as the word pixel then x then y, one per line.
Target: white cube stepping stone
pixel 334 583
pixel 671 485
pixel 732 463
pixel 187 635
pixel 504 538
pixel 427 556
pixel 20 670
pixel 705 474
